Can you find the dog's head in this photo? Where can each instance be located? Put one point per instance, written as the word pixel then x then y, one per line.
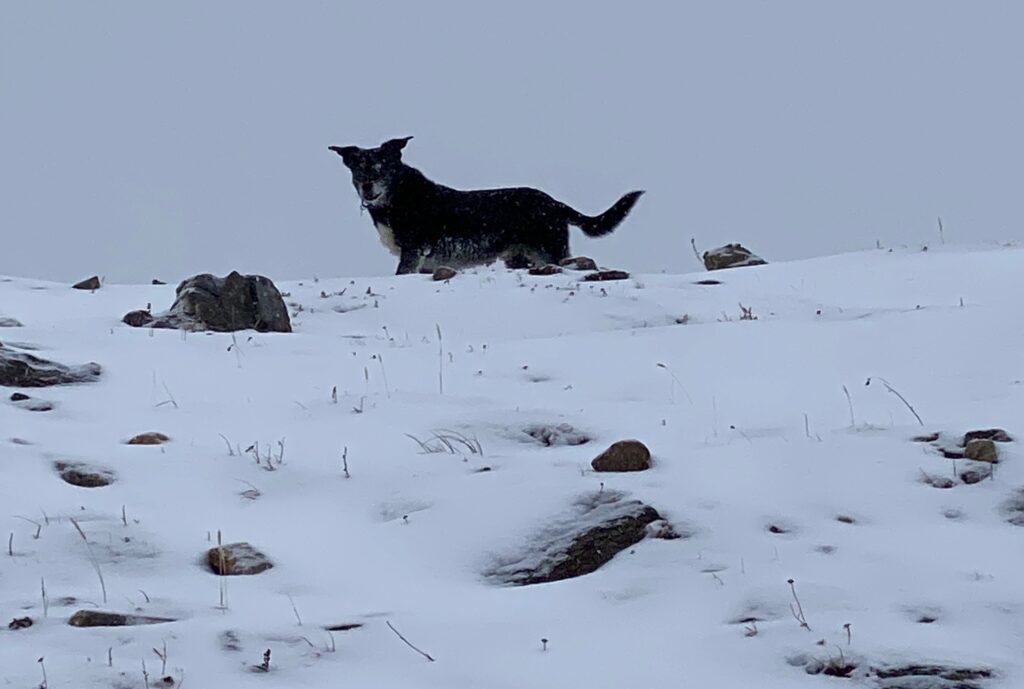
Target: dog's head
pixel 374 170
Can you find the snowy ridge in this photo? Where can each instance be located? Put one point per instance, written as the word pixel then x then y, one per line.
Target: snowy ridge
pixel 774 473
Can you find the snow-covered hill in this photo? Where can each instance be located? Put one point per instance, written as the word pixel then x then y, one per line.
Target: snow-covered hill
pixel 768 467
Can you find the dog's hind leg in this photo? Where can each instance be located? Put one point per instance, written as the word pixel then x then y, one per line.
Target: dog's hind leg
pixel 409 261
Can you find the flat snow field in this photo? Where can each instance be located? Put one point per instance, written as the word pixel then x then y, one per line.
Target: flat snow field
pixel 762 461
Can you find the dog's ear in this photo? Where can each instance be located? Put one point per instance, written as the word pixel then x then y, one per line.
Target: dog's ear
pixel 347 153
pixel 395 145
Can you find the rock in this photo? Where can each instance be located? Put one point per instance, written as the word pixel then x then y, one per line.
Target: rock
pixel 995 434
pixel 442 273
pixel 578 263
pixel 20 623
pixel 981 450
pixel 228 304
pixel 92 283
pixel 916 676
pixel 731 256
pixel 25 402
pixel 970 476
pixel 37 405
pixel 21 370
pixel 562 434
pixel 10 323
pixel 603 275
pixel 546 269
pixel 158 282
pixel 599 527
pixel 926 438
pixel 1013 508
pixel 343 627
pixel 151 438
pixel 138 318
pixel 99 618
pixel 624 455
pixel 84 475
pixel 236 559
pixel 708 282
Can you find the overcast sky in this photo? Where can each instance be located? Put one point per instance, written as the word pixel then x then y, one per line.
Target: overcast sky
pixel 142 140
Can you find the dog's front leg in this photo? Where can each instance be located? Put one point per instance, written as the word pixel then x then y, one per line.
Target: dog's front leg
pixel 409 261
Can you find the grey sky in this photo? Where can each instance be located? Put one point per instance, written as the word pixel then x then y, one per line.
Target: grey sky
pixel 142 140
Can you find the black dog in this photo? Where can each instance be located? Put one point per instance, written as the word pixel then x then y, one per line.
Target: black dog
pixel 428 225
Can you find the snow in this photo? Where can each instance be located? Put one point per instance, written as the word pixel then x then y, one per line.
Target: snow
pixel 747 421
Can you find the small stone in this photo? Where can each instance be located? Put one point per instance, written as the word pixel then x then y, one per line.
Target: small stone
pixel 995 434
pixel 235 559
pixel 981 450
pixel 84 475
pixel 624 455
pixel 547 269
pixel 970 476
pixel 663 529
pixel 603 275
pixel 926 438
pixel 99 618
pixel 562 434
pixel 137 318
pixel 19 397
pixel 846 519
pixel 578 263
pixel 708 282
pixel 10 323
pixel 442 273
pixel 151 438
pixel 344 627
pixel 20 623
pixel 158 282
pixel 92 283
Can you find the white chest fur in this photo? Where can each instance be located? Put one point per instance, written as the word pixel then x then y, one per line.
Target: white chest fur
pixel 387 238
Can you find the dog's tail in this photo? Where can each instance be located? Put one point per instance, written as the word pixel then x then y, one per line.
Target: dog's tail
pixel 599 225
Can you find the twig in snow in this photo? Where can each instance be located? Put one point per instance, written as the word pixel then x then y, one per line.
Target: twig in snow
pixel 693 245
pixel 399 635
pixel 440 360
pixel 675 381
pixel 92 558
pixel 849 403
pixel 170 398
pixel 294 609
pixel 901 397
pixel 797 610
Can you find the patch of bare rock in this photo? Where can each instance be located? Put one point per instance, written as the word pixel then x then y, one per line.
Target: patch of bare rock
pixel 93 283
pixel 599 527
pixel 624 455
pixel 21 370
pixel 84 475
pixel 221 304
pixel 101 618
pixel 731 256
pixel 150 438
pixel 237 559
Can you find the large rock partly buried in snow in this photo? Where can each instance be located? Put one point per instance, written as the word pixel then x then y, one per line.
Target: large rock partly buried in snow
pixel 731 256
pixel 599 526
pixel 235 302
pixel 21 370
